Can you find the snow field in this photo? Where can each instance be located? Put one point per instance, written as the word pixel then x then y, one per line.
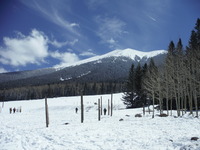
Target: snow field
pixel 27 130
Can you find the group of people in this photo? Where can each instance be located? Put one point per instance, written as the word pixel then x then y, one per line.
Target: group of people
pixel 15 110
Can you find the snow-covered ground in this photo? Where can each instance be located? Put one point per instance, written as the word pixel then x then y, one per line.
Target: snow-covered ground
pixel 27 130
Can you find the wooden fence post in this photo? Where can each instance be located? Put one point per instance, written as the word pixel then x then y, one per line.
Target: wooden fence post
pixel 82 111
pixel 111 104
pixel 143 109
pixel 99 113
pixel 108 107
pixel 46 112
pixel 101 106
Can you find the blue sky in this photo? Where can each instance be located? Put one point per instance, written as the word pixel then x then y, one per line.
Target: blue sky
pixel 45 33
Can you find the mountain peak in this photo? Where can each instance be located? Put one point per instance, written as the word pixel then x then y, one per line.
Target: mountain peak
pixel 130 53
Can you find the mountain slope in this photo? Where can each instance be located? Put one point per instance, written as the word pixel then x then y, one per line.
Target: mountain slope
pixel 113 66
pixel 135 55
pixel 4 77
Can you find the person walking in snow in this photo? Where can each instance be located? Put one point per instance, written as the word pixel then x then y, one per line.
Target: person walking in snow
pixel 104 110
pixel 14 109
pixel 76 110
pixel 10 110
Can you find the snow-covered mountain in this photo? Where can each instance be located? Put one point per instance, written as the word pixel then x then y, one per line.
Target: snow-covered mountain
pixel 133 54
pixel 113 66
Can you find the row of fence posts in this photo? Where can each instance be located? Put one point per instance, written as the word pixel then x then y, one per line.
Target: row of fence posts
pixel 100 109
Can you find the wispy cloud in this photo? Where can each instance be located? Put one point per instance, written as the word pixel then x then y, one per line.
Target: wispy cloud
pixel 110 29
pixel 51 10
pixel 152 18
pixel 111 41
pixel 93 4
pixel 61 44
pixel 59 20
pixel 88 53
pixel 64 58
pixel 23 50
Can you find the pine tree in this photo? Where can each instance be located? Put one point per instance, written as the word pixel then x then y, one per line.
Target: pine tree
pixel 138 79
pixel 139 101
pixel 130 94
pixel 197 28
pixel 143 92
pixel 193 63
pixel 134 96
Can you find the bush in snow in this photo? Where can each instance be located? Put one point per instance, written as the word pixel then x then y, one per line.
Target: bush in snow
pixel 138 115
pixel 163 115
pixel 194 138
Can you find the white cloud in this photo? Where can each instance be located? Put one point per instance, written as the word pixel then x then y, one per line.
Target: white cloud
pixel 72 43
pixel 152 18
pixel 110 29
pixel 111 41
pixel 74 24
pixel 65 58
pixel 23 50
pixel 58 44
pixel 61 44
pixel 87 54
pixel 2 70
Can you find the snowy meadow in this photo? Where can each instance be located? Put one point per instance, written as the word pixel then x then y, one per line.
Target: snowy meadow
pixel 122 131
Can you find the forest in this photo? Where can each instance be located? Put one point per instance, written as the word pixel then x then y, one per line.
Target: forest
pixel 175 86
pixel 60 89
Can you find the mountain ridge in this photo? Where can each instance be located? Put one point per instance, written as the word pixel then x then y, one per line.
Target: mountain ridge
pixel 128 52
pixel 113 66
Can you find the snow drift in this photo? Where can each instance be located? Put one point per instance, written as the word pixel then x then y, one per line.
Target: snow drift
pixel 27 130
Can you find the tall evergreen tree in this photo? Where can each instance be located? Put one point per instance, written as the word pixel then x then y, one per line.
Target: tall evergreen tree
pixel 138 79
pixel 130 94
pixel 143 92
pixel 138 101
pixel 193 63
pixel 134 96
pixel 197 28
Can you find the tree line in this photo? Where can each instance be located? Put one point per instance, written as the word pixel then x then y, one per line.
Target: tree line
pixel 60 89
pixel 175 86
